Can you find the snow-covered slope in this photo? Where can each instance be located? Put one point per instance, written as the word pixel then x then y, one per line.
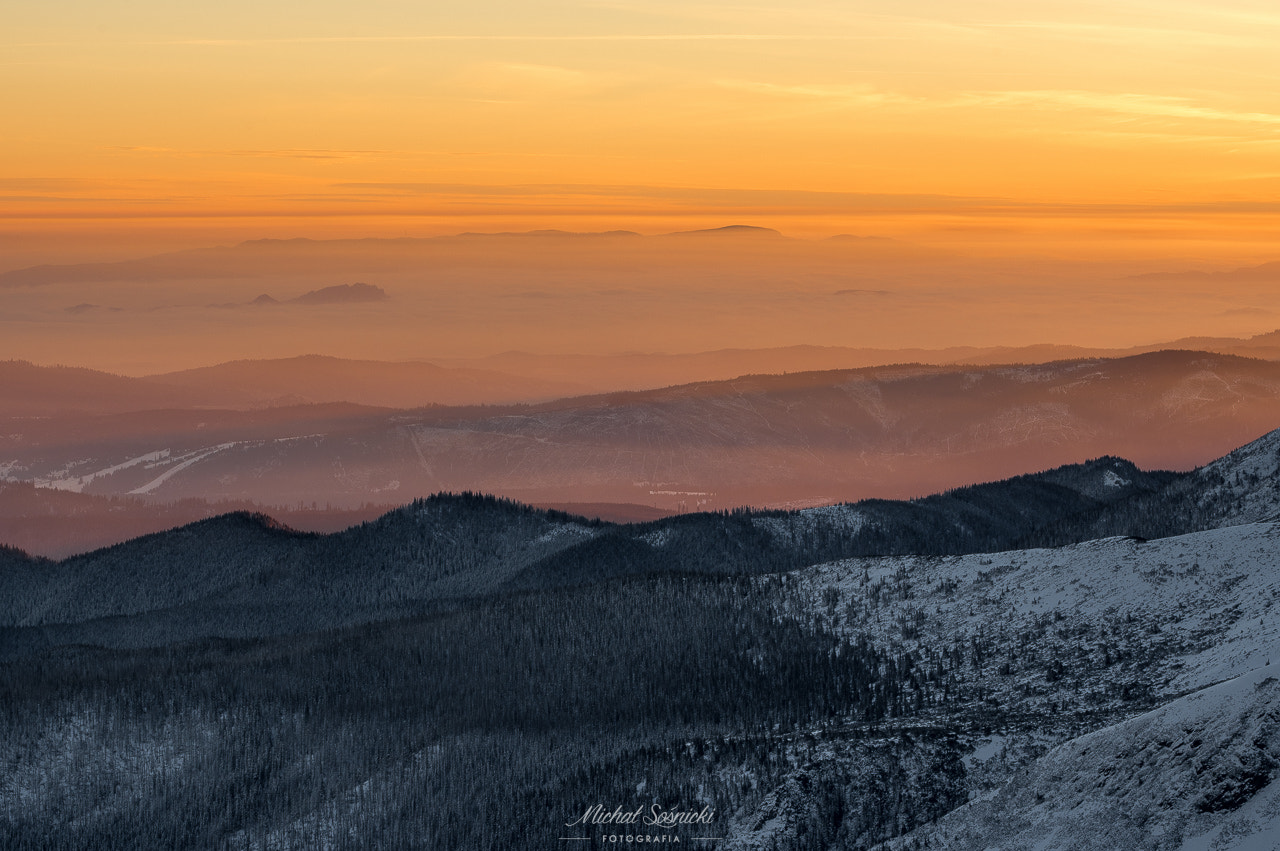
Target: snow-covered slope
pixel 1198 773
pixel 1250 475
pixel 1172 614
pixel 1112 694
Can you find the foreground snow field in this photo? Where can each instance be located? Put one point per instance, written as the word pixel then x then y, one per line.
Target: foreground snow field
pixel 1190 620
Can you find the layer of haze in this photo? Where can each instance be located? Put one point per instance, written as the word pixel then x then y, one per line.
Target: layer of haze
pixel 1026 159
pixel 472 296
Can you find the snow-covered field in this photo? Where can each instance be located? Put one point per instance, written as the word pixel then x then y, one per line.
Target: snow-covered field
pixel 1207 602
pixel 1197 773
pixel 1101 630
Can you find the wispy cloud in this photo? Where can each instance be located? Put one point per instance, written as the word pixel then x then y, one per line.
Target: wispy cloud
pixel 859 94
pixel 526 37
pixel 284 153
pixel 47 184
pixel 871 24
pixel 140 149
pixel 1121 34
pixel 799 201
pixel 306 154
pixel 1220 12
pixel 1128 104
pixel 1248 311
pixel 326 153
pixel 745 37
pixel 507 82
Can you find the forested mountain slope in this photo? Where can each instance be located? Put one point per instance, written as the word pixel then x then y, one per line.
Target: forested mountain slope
pixel 468 672
pixel 244 575
pixel 790 440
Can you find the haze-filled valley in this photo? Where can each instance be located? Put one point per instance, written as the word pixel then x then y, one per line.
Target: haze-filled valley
pixel 551 293
pixel 171 445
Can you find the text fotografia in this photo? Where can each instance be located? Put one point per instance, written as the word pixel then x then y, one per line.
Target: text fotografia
pixel 655 816
pixel 639 838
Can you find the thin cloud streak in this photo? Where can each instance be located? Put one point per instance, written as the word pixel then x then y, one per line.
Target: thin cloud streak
pixel 1159 106
pixel 818 201
pixel 1115 33
pixel 861 95
pixel 562 199
pixel 795 14
pixel 410 39
pixel 1124 103
pixel 358 39
pixel 1216 12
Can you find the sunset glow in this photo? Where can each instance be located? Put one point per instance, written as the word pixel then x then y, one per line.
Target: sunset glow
pixel 559 424
pixel 1123 124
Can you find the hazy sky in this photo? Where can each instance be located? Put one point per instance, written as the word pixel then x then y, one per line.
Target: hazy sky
pixel 1144 126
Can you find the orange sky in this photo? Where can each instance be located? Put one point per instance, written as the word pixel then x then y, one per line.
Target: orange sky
pixel 1147 127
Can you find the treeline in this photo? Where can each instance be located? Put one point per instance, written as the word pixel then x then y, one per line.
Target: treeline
pixel 1046 509
pixel 1186 504
pixel 484 727
pixel 243 575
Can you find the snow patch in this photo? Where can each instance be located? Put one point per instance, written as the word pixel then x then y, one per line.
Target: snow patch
pixel 658 538
pixel 172 471
pixel 77 484
pixel 1111 479
pixel 1213 595
pixel 844 516
pixel 990 748
pixel 563 530
pixel 1197 773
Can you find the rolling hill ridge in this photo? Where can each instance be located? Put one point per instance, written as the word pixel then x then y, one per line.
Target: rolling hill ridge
pixel 880 674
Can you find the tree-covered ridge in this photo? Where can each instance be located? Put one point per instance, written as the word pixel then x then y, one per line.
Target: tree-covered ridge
pixel 533 705
pixel 468 672
pixel 245 575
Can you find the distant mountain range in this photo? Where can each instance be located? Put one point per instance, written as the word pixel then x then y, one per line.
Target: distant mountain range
pixel 667 309
pixel 1261 272
pixel 59 523
pixel 648 371
pixel 265 257
pixel 29 390
pixel 357 293
pixel 798 439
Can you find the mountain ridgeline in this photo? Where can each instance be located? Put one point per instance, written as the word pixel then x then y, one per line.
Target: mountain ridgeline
pixel 778 441
pixel 244 574
pixel 470 672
